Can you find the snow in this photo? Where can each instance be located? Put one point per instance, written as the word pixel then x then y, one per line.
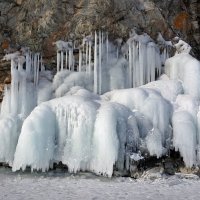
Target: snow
pixel 59 185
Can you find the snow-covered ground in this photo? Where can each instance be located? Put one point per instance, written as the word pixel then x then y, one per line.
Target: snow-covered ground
pixel 60 185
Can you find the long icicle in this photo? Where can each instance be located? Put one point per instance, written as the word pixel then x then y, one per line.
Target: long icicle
pixel 70 60
pixel 107 46
pixel 130 66
pixel 86 59
pixel 100 69
pixel 134 63
pixel 62 60
pixel 58 61
pixel 80 60
pixel 95 65
pixel 89 67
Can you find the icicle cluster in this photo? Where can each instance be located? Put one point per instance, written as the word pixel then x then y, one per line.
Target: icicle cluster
pixel 104 61
pixel 65 57
pixel 144 60
pixel 24 68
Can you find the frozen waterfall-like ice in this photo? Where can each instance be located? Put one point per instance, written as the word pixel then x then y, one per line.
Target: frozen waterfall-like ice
pixel 102 106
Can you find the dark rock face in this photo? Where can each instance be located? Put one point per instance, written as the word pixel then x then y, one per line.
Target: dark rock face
pixel 39 23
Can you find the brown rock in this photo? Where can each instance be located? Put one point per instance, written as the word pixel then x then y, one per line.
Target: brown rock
pixel 7 80
pixel 18 2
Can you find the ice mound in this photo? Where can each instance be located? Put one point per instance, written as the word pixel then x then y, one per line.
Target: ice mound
pixel 81 133
pixel 64 82
pixel 37 138
pixel 153 114
pixel 169 89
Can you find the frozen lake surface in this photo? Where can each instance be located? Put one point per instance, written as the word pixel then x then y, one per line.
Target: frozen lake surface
pixel 60 185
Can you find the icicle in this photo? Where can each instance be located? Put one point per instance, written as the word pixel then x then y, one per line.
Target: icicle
pixel 130 66
pixel 134 75
pixel 107 46
pixel 20 66
pixel 151 60
pixel 66 59
pixel 42 68
pixel 148 74
pixel 38 66
pixel 142 62
pixel 32 62
pixel 137 73
pixel 80 60
pixel 58 61
pixel 86 59
pixel 23 94
pixel 100 61
pixel 28 67
pixel 34 69
pixel 70 60
pixel 14 88
pixel 158 61
pixel 95 65
pixel 62 60
pixel 89 67
pixel 73 60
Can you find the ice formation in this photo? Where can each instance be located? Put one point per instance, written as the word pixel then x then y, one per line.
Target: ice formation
pixel 185 128
pixel 114 66
pixel 185 68
pixel 20 98
pixel 96 113
pixel 82 133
